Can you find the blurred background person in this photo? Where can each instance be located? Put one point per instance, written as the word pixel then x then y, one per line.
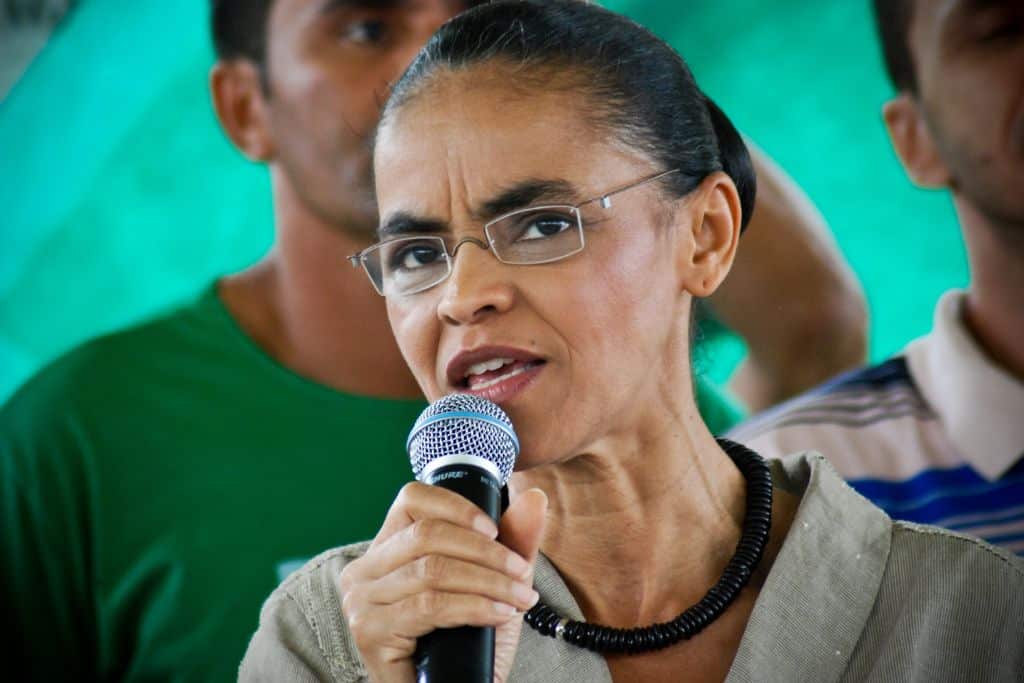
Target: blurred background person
pixel 155 472
pixel 935 434
pixel 145 516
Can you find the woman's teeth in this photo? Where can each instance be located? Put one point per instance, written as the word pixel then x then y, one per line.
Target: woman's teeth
pixel 488 366
pixel 476 384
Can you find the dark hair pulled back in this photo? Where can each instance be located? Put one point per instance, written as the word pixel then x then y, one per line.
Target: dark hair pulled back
pixel 636 86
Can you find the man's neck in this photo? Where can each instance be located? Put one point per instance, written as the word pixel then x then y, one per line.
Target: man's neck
pixel 307 308
pixel 994 309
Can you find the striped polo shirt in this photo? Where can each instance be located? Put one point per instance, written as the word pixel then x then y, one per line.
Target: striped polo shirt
pixel 934 435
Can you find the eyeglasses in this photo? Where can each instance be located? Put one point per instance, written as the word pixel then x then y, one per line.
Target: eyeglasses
pixel 527 237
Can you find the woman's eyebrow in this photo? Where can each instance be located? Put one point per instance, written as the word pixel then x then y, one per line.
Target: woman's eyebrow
pixel 524 194
pixel 402 223
pixel 520 196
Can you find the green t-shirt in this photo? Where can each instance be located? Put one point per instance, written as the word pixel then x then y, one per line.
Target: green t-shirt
pixel 156 484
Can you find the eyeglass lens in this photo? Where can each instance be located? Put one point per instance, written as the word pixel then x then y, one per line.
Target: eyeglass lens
pixel 531 236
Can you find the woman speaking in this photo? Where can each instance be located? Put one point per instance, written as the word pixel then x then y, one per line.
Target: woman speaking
pixel 555 191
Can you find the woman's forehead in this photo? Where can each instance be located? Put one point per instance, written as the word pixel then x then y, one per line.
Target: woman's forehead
pixel 480 138
pixel 456 111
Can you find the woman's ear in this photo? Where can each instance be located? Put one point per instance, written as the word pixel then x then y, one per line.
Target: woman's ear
pixel 239 99
pixel 707 251
pixel 914 144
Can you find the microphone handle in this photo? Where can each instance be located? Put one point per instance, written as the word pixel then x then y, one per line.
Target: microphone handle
pixel 464 654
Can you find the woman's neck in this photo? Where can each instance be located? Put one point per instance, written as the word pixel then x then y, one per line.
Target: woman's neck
pixel 644 524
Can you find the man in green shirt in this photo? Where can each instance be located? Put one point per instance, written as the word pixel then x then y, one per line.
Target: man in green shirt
pixel 151 481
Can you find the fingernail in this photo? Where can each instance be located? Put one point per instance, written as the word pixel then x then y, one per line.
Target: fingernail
pixel 517 566
pixel 486 526
pixel 524 593
pixel 504 609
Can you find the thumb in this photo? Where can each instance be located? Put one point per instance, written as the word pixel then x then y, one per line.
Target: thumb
pixel 522 525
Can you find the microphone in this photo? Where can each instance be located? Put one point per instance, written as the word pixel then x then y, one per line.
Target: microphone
pixel 465 444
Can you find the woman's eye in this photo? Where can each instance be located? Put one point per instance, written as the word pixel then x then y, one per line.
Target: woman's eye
pixel 546 226
pixel 367 31
pixel 415 257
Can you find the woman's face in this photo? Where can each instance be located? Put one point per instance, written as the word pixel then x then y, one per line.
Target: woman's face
pixel 575 351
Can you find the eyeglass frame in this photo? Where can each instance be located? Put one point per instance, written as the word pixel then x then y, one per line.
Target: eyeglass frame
pixel 358 260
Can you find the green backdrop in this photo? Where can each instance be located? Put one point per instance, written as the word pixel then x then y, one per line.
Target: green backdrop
pixel 119 195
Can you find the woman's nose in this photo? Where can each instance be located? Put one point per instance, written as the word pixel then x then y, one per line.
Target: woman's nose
pixel 477 288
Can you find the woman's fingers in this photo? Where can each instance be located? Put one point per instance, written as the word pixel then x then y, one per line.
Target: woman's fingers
pixel 397 626
pixel 386 635
pixel 418 501
pixel 446 575
pixel 437 563
pixel 438 537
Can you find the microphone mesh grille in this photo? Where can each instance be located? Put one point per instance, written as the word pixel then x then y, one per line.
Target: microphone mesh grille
pixel 466 432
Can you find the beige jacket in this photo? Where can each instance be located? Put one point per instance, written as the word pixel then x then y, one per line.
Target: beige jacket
pixel 852 596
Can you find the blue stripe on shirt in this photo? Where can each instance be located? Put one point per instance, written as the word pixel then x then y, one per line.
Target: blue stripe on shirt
pixel 882 376
pixel 924 485
pixel 936 495
pixel 1007 539
pixel 889 374
pixel 994 519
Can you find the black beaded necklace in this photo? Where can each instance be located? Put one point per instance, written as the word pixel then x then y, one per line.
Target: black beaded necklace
pixel 757 522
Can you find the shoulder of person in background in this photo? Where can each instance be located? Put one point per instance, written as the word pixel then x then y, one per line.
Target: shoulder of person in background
pixel 143 468
pixel 932 435
pixel 52 460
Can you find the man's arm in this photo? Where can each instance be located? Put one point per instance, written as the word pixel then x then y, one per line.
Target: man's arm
pixel 791 296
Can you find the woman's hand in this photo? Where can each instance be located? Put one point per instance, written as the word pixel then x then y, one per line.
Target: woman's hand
pixel 439 562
